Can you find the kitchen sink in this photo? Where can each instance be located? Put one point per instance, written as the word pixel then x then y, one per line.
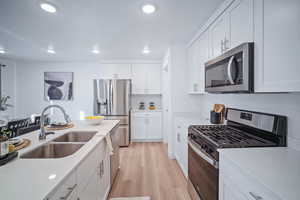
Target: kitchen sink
pixel 52 150
pixel 76 136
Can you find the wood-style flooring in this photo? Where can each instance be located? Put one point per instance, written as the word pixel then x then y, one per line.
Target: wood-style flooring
pixel 146 170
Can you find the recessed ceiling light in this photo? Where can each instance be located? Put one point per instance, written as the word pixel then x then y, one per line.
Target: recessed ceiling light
pixel 149 8
pixel 48 7
pixel 2 51
pixel 51 51
pixel 146 50
pixel 95 51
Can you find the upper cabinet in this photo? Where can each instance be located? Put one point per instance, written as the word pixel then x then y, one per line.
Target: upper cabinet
pixel 277 30
pixel 232 28
pixel 240 19
pixel 117 71
pixel 146 79
pixel 219 36
pixel 198 54
pixel 271 25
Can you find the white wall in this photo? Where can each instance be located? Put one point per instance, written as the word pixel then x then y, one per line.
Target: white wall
pixel 30 86
pixel 9 87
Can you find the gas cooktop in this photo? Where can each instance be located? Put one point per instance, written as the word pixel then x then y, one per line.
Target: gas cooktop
pixel 225 136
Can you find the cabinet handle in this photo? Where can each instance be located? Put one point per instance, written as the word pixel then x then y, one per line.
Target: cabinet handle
pixel 222 46
pixel 225 44
pixel 178 137
pixel 69 193
pixel 195 87
pixel 256 197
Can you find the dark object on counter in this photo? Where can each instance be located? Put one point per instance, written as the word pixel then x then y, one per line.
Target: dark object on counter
pixel 142 106
pixel 215 117
pixel 15 125
pixel 8 157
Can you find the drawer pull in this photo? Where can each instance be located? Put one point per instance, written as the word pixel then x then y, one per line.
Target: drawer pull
pixel 71 189
pixel 256 197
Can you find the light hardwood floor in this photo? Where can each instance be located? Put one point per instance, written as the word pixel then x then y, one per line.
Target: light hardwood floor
pixel 146 170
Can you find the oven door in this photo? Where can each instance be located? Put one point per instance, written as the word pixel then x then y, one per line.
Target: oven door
pixel 203 174
pixel 231 72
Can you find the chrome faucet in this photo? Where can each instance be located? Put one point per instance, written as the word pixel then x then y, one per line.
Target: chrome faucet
pixel 43 134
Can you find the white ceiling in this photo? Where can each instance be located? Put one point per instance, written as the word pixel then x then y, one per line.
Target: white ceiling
pixel 118 27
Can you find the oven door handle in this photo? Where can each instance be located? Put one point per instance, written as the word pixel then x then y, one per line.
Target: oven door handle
pixel 229 67
pixel 196 148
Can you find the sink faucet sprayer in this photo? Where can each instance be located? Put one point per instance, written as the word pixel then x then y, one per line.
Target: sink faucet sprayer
pixel 43 134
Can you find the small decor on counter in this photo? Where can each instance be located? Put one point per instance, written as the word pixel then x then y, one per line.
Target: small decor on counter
pixel 94 120
pixel 217 114
pixel 7 149
pixel 152 106
pixel 142 105
pixel 58 86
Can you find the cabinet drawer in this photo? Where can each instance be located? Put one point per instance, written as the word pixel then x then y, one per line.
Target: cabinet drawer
pixel 249 186
pixel 89 165
pixel 65 190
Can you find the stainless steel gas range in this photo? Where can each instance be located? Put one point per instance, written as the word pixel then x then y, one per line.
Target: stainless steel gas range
pixel 243 129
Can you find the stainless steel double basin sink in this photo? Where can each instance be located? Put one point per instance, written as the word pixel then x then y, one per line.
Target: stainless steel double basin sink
pixel 62 146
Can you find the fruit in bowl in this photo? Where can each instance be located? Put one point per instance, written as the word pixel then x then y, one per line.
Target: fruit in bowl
pixel 94 120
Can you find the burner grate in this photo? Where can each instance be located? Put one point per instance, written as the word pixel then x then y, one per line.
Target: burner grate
pixel 224 136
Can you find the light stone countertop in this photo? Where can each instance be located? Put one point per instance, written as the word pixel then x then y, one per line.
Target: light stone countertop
pixel 29 178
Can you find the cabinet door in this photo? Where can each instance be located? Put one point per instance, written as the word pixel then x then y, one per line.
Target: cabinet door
pixel 138 127
pixel 90 191
pixel 117 71
pixel 218 32
pixel 229 192
pixel 240 16
pixel 192 87
pixel 153 78
pixel 154 126
pixel 139 79
pixel 277 46
pixel 198 54
pixel 67 189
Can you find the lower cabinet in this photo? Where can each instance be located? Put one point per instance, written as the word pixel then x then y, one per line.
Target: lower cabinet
pixel 235 184
pixel 146 126
pixel 181 145
pixel 66 190
pixel 89 181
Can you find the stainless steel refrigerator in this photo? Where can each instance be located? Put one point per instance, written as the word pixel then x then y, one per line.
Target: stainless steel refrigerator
pixel 112 98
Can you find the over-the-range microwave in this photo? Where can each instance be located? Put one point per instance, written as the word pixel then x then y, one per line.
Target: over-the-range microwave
pixel 232 72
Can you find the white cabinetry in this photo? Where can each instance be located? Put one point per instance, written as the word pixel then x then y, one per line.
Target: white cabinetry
pixel 181 125
pixel 146 79
pixel 90 180
pixel 240 16
pixel 198 54
pixel 181 145
pixel 219 36
pixel 277 46
pixel 117 71
pixel 146 126
pixel 232 28
pixel 235 184
pixel 67 189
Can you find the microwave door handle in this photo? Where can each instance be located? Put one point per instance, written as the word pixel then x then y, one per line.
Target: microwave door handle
pixel 229 67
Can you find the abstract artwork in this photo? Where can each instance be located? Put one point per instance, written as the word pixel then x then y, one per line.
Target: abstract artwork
pixel 58 86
